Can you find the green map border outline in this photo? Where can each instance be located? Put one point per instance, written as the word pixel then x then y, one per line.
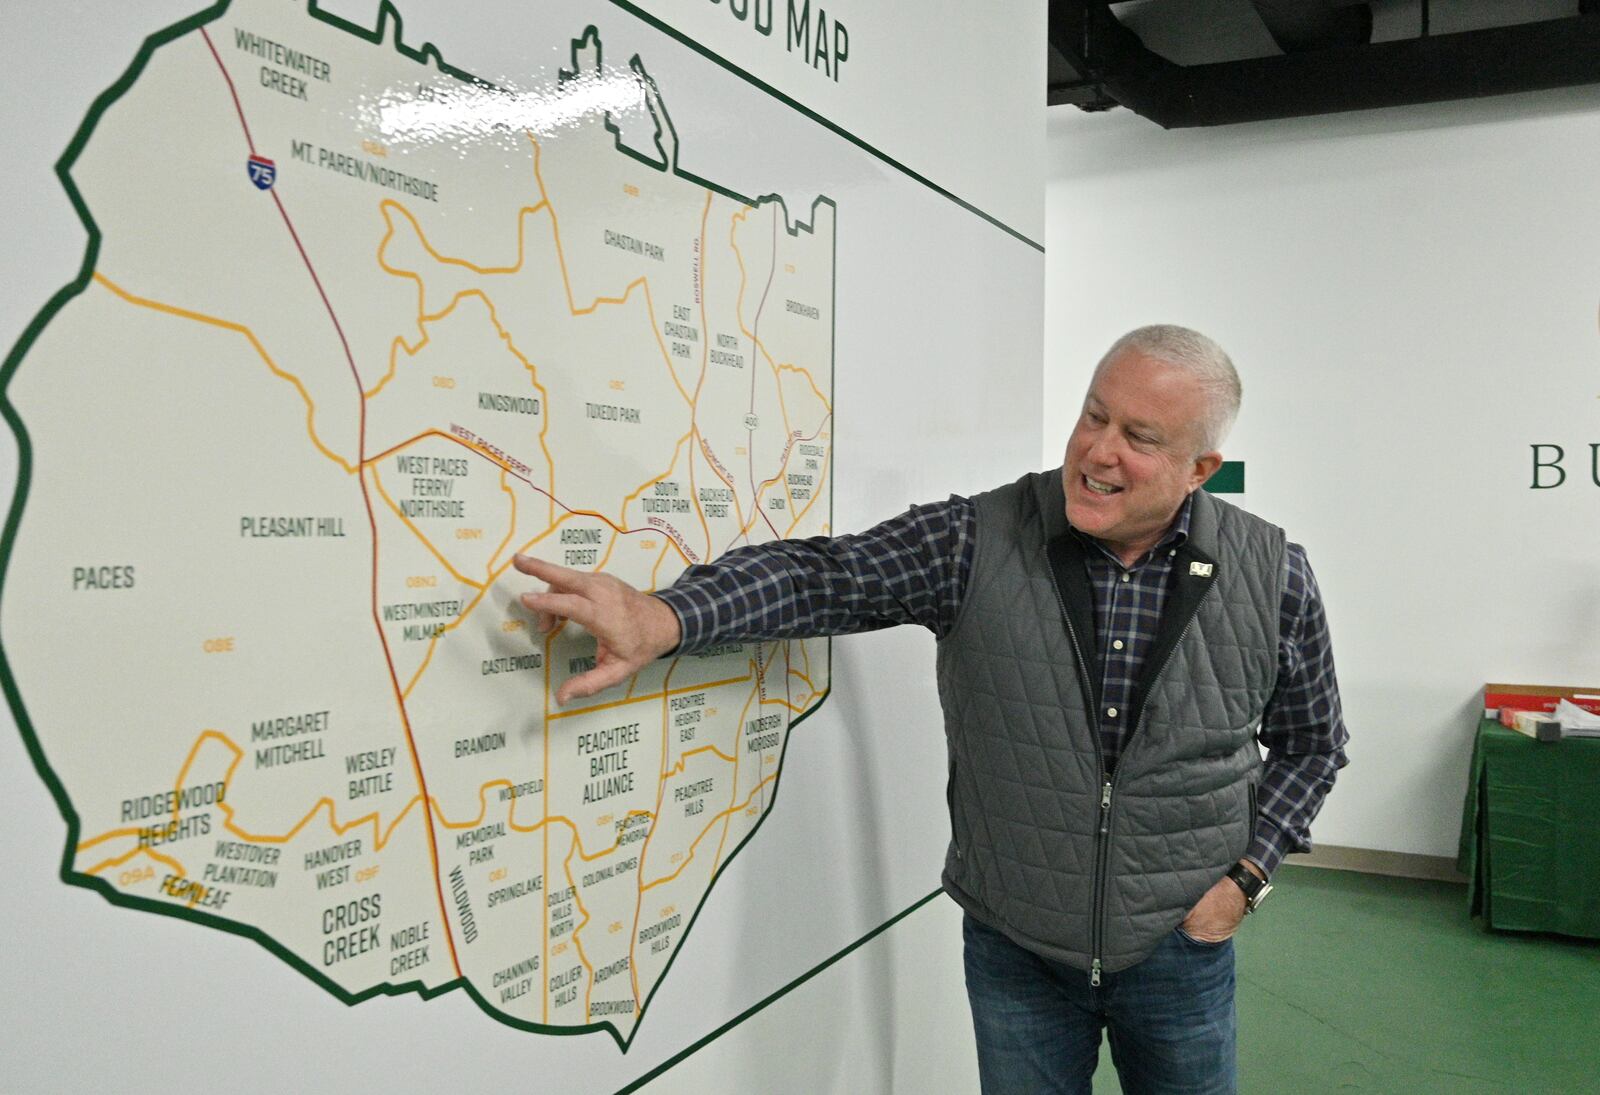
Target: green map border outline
pixel 388 14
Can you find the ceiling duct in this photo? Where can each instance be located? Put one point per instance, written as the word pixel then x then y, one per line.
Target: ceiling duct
pixel 1105 64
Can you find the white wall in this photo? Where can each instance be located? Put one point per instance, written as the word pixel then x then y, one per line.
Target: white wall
pixel 1410 296
pixel 99 996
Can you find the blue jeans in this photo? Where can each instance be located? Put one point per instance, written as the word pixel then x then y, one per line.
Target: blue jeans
pixel 1038 1023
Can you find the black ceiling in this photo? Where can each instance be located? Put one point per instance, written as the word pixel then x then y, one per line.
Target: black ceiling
pixel 1213 62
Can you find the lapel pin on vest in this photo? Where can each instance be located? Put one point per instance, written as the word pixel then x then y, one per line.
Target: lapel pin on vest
pixel 1201 570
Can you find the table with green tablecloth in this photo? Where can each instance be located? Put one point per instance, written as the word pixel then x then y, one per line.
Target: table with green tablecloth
pixel 1530 833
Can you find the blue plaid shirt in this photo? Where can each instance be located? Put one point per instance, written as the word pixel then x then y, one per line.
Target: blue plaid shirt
pixel 913 569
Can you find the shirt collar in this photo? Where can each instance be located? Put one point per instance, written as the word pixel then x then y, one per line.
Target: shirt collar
pixel 1175 536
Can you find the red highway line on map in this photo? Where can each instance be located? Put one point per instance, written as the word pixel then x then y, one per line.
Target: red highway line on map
pixel 405 720
pixel 238 109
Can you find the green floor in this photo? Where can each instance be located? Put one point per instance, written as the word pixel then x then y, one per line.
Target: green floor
pixel 1351 982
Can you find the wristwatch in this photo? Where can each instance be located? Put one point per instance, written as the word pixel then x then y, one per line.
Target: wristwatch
pixel 1255 889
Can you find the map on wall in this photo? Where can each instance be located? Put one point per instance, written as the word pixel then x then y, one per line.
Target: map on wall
pixel 353 328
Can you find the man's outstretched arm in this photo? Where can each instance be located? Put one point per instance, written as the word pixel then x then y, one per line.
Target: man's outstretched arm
pixel 909 569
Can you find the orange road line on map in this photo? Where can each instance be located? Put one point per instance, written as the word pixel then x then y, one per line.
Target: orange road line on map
pixel 483 806
pixel 423 319
pixel 577 930
pixel 661 342
pixel 427 657
pixel 511 529
pixel 737 758
pixel 177 786
pixel 736 808
pixel 497 572
pixel 661 793
pixel 533 378
pixel 483 812
pixel 109 834
pixel 398 343
pixel 755 510
pixel 827 469
pixel 377 481
pixel 465 444
pixel 587 857
pixel 422 303
pixel 545 205
pixel 622 514
pixel 381 836
pixel 237 328
pixel 788 432
pixel 483 591
pixel 727 481
pixel 179 868
pixel 611 545
pixel 678 769
pixel 644 699
pixel 622 518
pixel 771 361
pixel 522 215
pixel 566 278
pixel 655 570
pixel 792 368
pixel 762 489
pixel 571 512
pixel 423 436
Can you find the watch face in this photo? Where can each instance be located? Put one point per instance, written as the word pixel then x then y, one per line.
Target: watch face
pixel 1260 896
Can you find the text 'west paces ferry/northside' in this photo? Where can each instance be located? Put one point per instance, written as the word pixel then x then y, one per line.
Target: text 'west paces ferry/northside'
pixel 535 335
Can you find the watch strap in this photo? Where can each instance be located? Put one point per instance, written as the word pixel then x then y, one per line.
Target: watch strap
pixel 1255 889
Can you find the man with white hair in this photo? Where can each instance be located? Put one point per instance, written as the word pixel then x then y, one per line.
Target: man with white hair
pixel 1115 647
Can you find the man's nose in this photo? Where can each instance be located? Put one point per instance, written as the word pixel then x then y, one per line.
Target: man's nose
pixel 1105 450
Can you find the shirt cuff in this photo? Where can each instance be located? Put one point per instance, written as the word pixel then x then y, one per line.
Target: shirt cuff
pixel 694 616
pixel 1269 846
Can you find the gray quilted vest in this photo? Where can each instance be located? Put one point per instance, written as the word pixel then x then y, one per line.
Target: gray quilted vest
pixel 1084 870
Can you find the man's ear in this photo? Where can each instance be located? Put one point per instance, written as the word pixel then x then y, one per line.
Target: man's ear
pixel 1205 466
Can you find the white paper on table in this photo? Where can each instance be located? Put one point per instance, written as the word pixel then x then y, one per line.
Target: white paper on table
pixel 1575 721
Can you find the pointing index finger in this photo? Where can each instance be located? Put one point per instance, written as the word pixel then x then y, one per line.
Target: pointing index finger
pixel 557 576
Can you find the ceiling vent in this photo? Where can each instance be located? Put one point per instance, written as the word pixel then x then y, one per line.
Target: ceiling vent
pixel 1213 62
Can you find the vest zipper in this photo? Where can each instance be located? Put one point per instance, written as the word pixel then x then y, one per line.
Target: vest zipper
pixel 1097 913
pixel 1102 856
